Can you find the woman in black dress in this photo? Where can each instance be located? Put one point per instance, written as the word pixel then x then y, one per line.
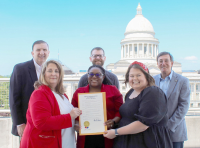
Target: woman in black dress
pixel 144 113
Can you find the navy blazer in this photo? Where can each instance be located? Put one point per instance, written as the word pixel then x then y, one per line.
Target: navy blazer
pixel 178 96
pixel 21 87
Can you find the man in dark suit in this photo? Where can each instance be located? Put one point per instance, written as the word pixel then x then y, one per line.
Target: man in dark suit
pixel 21 85
pixel 177 90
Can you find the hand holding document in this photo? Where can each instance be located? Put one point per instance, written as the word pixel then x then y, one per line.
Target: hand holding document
pixel 93 106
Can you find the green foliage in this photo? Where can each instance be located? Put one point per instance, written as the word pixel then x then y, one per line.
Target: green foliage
pixel 6 76
pixel 4 94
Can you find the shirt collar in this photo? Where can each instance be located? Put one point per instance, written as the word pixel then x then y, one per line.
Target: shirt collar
pixel 169 76
pixel 36 65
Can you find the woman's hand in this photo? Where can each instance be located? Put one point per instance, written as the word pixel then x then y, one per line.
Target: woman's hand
pixel 109 123
pixel 75 112
pixel 76 126
pixel 110 134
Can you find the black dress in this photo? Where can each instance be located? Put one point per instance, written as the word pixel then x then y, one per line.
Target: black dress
pixel 150 108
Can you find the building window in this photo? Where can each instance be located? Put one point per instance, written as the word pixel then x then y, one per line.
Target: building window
pixel 191 105
pixel 135 50
pixel 145 50
pixel 197 87
pixel 198 104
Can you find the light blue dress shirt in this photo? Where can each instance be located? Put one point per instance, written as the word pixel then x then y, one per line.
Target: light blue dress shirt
pixel 164 83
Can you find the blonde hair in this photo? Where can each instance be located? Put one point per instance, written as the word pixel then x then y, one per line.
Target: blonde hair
pixel 59 88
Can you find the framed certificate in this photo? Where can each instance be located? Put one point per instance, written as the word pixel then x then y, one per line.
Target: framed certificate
pixel 93 106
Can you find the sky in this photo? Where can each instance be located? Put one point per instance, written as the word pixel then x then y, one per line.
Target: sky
pixel 74 27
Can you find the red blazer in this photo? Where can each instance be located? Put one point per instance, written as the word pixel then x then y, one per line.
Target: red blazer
pixel 114 100
pixel 44 121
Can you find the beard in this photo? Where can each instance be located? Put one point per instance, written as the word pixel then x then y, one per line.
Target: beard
pixel 99 62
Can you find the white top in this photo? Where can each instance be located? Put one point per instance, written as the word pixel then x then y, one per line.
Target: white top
pixel 68 134
pixel 38 69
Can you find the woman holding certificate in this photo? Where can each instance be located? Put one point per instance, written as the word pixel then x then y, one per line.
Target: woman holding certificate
pixel 144 113
pixel 50 116
pixel 97 82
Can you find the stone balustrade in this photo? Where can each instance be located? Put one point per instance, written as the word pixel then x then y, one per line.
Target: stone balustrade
pixel 7 140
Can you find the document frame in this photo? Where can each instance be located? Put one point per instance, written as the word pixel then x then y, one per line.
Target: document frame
pixel 104 113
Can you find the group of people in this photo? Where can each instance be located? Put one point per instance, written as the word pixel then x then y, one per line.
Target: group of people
pixel 152 114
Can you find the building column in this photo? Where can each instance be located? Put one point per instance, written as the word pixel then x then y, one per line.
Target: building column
pixel 147 50
pixel 128 51
pixel 194 96
pixel 122 54
pixel 133 50
pixel 137 50
pixel 155 51
pixel 151 50
pixel 125 51
pixel 143 49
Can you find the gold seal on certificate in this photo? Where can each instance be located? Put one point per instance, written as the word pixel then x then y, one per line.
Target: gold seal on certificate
pixel 86 124
pixel 93 117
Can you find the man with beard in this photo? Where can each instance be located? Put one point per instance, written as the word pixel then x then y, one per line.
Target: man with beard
pixel 21 85
pixel 98 58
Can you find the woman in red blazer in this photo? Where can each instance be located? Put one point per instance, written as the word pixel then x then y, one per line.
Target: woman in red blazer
pixel 44 118
pixel 97 82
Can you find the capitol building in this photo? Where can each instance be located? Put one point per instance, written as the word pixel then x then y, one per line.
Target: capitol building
pixel 139 44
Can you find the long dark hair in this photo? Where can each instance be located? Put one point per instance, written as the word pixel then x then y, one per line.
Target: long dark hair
pixel 105 80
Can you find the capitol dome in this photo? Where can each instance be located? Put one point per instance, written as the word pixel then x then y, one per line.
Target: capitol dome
pixel 139 24
pixel 139 43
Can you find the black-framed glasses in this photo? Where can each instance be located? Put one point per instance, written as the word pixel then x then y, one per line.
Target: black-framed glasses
pixel 97 55
pixel 98 75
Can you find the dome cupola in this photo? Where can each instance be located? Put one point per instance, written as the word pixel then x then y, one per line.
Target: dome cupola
pixel 139 24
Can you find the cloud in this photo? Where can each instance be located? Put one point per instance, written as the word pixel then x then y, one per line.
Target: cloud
pixel 191 58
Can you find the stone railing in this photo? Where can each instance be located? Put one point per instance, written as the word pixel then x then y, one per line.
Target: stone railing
pixel 7 140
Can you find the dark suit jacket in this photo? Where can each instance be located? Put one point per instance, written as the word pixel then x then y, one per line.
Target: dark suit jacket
pixel 21 87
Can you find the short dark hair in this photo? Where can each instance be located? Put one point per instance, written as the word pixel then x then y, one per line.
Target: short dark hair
pixel 165 53
pixel 97 48
pixel 38 42
pixel 105 81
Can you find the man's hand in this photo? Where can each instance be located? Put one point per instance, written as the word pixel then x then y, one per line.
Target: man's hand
pixel 20 129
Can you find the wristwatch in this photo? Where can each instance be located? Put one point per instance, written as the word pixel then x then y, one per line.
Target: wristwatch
pixel 116 133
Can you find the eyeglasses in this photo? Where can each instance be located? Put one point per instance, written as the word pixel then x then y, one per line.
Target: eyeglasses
pixel 97 55
pixel 98 75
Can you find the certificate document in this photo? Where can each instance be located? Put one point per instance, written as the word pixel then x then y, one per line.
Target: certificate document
pixel 93 106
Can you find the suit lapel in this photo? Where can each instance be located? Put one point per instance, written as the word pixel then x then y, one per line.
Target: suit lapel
pixel 172 84
pixel 32 71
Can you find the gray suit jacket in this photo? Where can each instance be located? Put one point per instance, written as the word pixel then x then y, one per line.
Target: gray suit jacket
pixel 178 95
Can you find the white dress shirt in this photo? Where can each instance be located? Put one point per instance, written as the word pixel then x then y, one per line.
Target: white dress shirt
pixel 68 134
pixel 38 69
